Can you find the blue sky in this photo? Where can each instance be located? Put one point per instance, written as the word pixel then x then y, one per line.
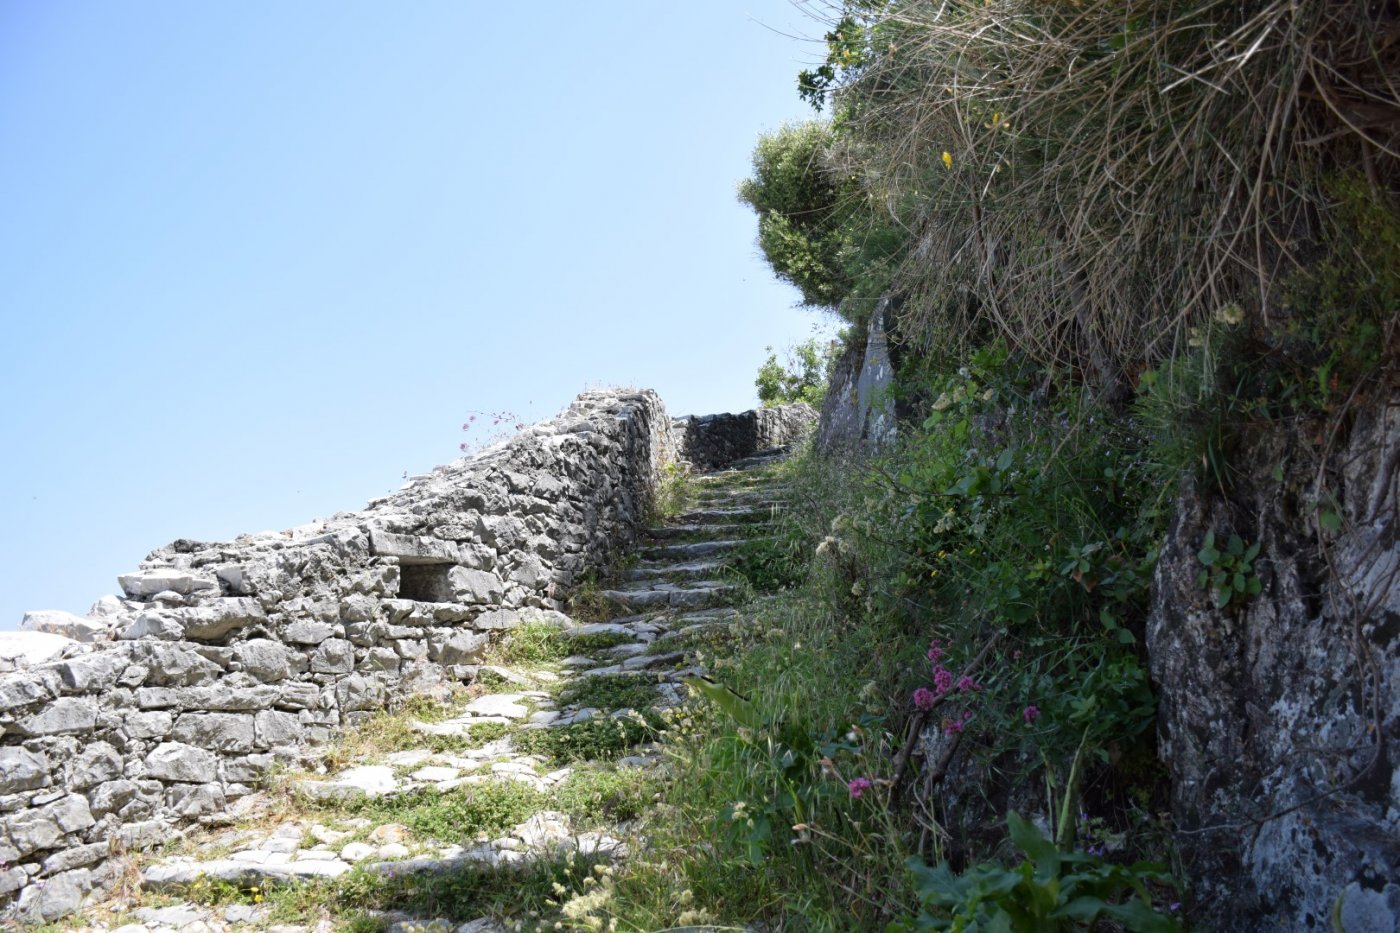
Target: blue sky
pixel 259 259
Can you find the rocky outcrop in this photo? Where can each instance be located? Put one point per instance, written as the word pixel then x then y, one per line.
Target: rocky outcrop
pixel 1280 720
pixel 858 413
pixel 711 441
pixel 223 659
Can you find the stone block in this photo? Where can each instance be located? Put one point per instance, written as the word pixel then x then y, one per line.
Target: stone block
pixel 63 716
pixel 219 732
pixel 264 659
pixel 333 656
pixel 21 770
pixel 96 763
pixel 146 583
pixel 176 761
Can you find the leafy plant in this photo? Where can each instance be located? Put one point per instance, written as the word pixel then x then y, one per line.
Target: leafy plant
pixel 802 379
pixel 1229 574
pixel 1050 890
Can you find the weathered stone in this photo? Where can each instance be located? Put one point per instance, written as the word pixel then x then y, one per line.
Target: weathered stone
pixel 334 656
pixel 299 696
pixel 92 673
pixel 264 659
pixel 26 649
pixel 410 549
pixel 219 732
pixel 42 828
pixel 307 632
pixel 19 690
pixel 21 769
pixel 54 897
pixel 273 728
pixel 176 761
pixel 195 800
pixel 57 622
pixel 75 857
pixel 227 698
pixel 172 665
pixel 62 716
pixel 96 763
pixel 358 692
pixel 218 618
pixel 457 647
pixel 383 659
pixel 152 725
pixel 479 587
pixel 145 583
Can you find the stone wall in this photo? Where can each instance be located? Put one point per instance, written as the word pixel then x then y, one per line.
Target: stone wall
pixel 221 660
pixel 711 441
pixel 1280 721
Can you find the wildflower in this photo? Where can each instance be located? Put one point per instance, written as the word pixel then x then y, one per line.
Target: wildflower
pixel 923 699
pixel 1030 714
pixel 942 679
pixel 858 787
pixel 947 160
pixel 967 684
pixel 953 726
pixel 935 648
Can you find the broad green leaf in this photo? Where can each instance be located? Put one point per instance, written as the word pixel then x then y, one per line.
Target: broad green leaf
pixel 734 706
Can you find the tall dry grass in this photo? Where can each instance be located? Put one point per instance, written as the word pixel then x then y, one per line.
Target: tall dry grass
pixel 1092 178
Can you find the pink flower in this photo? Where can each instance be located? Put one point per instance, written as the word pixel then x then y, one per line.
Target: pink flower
pixel 1030 714
pixel 923 699
pixel 858 787
pixel 967 684
pixel 935 650
pixel 942 679
pixel 954 726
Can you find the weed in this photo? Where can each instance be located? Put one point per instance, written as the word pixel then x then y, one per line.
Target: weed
pixel 611 691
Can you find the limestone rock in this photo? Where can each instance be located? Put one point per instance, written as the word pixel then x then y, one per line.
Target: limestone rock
pixel 57 622
pixel 146 583
pixel 176 761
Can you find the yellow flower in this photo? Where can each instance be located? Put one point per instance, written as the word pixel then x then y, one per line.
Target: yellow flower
pixel 947 160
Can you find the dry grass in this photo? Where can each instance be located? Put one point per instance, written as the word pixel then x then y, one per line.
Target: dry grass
pixel 1116 172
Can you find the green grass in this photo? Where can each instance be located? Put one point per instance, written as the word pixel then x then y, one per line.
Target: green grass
pixel 598 739
pixel 458 816
pixel 610 692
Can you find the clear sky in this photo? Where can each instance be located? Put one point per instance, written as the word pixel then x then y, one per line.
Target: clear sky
pixel 260 259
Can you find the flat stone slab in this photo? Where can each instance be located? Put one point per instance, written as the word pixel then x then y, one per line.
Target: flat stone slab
pixel 370 780
pixel 499 704
pixel 691 551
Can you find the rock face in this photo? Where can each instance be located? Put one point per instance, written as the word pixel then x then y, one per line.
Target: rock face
pixel 859 413
pixel 1280 721
pixel 710 441
pixel 225 658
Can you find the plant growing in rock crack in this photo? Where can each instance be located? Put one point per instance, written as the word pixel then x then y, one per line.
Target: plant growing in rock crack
pixel 1229 573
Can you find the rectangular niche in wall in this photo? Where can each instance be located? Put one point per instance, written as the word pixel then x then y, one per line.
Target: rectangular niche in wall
pixel 425 583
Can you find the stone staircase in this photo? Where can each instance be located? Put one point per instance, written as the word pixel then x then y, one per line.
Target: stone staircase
pixel 617 677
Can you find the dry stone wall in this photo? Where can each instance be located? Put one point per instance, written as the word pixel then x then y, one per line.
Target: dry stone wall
pixel 221 660
pixel 710 441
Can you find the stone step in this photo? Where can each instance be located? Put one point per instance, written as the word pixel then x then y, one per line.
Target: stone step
pixel 672 595
pixel 671 532
pixel 682 570
pixel 692 551
pixel 724 516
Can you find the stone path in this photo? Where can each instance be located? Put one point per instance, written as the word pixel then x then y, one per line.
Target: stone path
pixel 674 594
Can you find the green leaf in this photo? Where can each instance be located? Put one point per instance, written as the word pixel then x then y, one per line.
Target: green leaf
pixel 1236 546
pixel 1252 553
pixel 1137 916
pixel 1038 849
pixel 1329 520
pixel 734 706
pixel 1005 460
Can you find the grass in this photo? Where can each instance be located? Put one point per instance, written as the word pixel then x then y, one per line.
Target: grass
pixel 610 692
